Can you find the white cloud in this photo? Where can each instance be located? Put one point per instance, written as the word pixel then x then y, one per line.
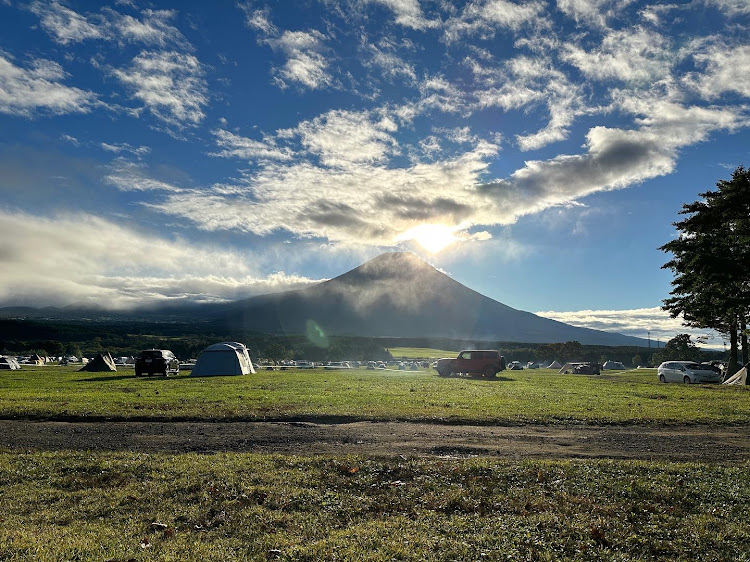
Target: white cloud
pixel 121 147
pixel 340 138
pixel 68 26
pixel 131 176
pixel 616 158
pixel 631 55
pixel 64 24
pixel 727 69
pixel 306 62
pixel 154 28
pixel 635 322
pixel 487 16
pixel 525 81
pixel 730 7
pixel 236 146
pixel 592 12
pixel 384 56
pixel 81 258
pixel 29 92
pixel 408 13
pixel 351 196
pixel 170 84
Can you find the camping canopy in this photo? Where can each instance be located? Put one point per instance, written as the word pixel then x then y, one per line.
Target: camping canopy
pixel 9 363
pixel 740 377
pixel 554 365
pixel 226 358
pixel 36 360
pixel 99 364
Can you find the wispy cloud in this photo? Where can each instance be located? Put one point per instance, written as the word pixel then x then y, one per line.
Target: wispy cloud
pixel 636 322
pixel 37 90
pixel 171 85
pixel 66 26
pixel 408 13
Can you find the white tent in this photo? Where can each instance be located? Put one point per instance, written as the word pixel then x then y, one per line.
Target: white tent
pixel 9 363
pixel 613 366
pixel 226 358
pixel 740 377
pixel 554 365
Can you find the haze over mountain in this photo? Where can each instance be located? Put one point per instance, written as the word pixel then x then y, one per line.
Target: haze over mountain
pixel 399 295
pixel 393 295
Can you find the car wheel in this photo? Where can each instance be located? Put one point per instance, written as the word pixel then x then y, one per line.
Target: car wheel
pixel 662 379
pixel 489 372
pixel 686 380
pixel 444 372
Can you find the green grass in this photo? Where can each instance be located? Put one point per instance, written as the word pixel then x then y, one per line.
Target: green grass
pixel 104 506
pixel 420 353
pixel 540 396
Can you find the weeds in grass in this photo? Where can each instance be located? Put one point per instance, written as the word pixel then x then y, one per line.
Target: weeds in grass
pixel 121 506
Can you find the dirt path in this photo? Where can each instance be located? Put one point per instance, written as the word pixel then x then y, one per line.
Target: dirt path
pixel 677 443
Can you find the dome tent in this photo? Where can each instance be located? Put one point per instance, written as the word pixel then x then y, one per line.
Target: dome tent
pixel 226 358
pixel 613 366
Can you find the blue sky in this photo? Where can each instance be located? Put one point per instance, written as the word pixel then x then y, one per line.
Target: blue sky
pixel 536 151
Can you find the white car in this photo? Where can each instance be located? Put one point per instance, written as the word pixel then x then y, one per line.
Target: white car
pixel 688 372
pixel 305 365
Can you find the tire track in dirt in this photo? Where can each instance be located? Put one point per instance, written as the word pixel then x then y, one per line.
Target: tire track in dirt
pixel 673 443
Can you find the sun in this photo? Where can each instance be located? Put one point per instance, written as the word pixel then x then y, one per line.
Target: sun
pixel 432 237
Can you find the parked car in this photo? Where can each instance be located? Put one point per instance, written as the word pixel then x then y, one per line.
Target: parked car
pixel 305 365
pixel 156 361
pixel 515 366
pixel 486 362
pixel 688 372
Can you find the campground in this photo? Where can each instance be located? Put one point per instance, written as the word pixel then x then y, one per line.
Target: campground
pixel 354 465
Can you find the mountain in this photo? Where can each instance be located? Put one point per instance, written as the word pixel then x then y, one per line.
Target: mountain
pixel 393 295
pixel 400 295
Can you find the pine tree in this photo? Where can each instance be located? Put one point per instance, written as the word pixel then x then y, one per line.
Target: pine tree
pixel 711 256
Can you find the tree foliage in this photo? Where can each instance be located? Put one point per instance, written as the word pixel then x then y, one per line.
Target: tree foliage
pixel 711 287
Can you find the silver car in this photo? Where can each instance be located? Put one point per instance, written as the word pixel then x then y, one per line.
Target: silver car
pixel 688 372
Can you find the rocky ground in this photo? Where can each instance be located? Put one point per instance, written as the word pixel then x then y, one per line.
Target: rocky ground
pixel 673 443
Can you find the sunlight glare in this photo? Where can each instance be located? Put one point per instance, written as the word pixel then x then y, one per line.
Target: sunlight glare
pixel 432 237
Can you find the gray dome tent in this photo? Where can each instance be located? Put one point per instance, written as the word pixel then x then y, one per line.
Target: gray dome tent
pixel 226 358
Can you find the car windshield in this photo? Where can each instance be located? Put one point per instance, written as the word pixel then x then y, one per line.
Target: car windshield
pixel 697 367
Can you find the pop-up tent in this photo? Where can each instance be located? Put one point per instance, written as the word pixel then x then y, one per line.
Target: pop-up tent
pixel 554 365
pixel 100 364
pixel 226 358
pixel 9 363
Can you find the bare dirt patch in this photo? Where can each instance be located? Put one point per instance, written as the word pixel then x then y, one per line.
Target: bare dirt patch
pixel 674 443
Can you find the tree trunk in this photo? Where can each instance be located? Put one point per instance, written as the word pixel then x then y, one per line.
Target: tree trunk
pixel 743 339
pixel 732 367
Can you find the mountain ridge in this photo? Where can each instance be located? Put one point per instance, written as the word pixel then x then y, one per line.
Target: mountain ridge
pixel 396 294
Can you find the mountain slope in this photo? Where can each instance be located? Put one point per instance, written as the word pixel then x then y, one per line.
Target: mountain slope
pixel 399 295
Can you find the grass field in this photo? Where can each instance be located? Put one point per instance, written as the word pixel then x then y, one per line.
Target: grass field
pixel 125 506
pixel 420 353
pixel 539 396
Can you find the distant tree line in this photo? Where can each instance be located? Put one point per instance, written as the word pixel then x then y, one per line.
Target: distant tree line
pixel 24 337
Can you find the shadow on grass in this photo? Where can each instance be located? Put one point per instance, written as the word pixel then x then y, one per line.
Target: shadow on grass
pixel 108 378
pixel 496 378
